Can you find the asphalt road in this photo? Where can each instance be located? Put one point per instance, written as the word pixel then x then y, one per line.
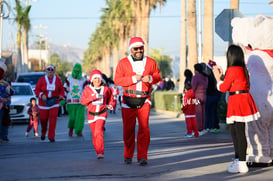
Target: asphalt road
pixel 171 157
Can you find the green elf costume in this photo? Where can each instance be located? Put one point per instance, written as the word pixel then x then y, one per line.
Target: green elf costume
pixel 74 86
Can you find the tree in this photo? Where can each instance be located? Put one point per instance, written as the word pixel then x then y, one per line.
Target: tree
pixel 62 66
pixel 163 61
pixel 23 22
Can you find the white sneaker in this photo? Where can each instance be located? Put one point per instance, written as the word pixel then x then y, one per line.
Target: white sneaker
pixel 203 132
pixel 100 156
pixel 233 168
pixel 242 167
pixel 26 134
pixel 36 134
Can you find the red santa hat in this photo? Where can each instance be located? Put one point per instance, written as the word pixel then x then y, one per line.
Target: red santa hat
pixel 136 42
pixel 211 64
pixel 96 74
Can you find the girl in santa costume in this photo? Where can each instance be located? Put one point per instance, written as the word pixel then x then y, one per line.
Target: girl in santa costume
pixel 241 106
pixel 50 91
pixel 97 98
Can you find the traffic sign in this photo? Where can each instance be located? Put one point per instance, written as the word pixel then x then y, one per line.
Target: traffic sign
pixel 223 26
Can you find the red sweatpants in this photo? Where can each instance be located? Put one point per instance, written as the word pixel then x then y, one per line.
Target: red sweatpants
pixel 97 134
pixel 33 124
pixel 192 126
pixel 129 116
pixel 49 115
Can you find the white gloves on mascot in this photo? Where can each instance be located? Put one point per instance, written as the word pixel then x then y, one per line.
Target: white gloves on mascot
pixel 255 34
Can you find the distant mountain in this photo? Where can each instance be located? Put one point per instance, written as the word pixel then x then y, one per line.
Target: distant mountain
pixel 67 52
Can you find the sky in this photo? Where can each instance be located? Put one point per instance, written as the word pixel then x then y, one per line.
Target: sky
pixel 70 22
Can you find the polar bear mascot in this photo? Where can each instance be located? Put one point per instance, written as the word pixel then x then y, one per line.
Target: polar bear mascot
pixel 255 34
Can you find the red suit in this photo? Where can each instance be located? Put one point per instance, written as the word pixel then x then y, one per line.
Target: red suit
pixel 126 70
pixel 241 107
pixel 188 108
pixel 97 113
pixel 51 88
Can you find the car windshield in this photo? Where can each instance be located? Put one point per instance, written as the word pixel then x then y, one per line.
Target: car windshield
pixel 22 90
pixel 32 79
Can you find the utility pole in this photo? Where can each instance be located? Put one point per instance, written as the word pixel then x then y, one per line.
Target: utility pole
pixel 41 27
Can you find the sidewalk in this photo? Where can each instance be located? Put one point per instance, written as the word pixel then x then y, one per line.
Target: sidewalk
pixel 170 157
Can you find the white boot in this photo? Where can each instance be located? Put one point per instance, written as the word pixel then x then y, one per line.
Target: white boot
pixel 233 168
pixel 242 167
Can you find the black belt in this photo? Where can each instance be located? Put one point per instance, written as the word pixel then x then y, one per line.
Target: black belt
pixel 97 113
pixel 136 92
pixel 238 92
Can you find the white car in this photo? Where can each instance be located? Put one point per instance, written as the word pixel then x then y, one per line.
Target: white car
pixel 20 102
pixel 30 77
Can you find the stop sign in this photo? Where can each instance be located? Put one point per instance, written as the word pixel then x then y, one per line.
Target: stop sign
pixel 223 23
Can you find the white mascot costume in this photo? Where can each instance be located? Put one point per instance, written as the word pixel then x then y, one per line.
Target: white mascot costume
pixel 255 34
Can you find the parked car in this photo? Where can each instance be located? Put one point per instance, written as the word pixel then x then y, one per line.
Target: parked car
pixel 20 102
pixel 30 77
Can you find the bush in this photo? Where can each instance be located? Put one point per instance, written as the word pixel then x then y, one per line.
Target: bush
pixel 167 101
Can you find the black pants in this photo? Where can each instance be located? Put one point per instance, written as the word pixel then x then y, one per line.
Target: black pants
pixel 239 140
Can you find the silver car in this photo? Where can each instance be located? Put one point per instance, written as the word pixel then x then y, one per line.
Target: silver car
pixel 20 102
pixel 30 77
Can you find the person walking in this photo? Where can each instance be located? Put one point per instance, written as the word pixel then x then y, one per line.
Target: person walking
pixel 6 91
pixel 74 86
pixel 50 91
pixel 241 106
pixel 213 97
pixel 33 112
pixel 188 108
pixel 97 97
pixel 136 73
pixel 199 84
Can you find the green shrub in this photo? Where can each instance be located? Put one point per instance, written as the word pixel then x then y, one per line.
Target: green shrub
pixel 167 100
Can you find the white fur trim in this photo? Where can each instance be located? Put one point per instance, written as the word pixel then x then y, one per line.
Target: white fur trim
pixel 136 44
pixel 96 76
pixel 134 79
pixel 218 84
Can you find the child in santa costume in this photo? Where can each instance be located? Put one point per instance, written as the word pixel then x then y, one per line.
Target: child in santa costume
pixel 136 74
pixel 241 106
pixel 33 112
pixel 97 98
pixel 74 86
pixel 188 109
pixel 50 91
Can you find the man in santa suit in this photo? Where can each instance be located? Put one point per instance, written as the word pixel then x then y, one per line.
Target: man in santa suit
pixel 50 91
pixel 136 74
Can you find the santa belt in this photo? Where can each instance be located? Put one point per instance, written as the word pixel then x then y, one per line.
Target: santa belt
pixel 136 92
pixel 97 113
pixel 238 92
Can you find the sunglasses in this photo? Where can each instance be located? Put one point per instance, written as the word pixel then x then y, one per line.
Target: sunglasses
pixel 50 69
pixel 138 48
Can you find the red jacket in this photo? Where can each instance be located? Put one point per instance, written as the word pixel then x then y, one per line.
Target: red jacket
pixel 96 102
pixel 127 69
pixel 41 89
pixel 189 103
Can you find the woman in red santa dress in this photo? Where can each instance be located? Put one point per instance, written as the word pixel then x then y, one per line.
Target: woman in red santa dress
pixel 50 91
pixel 241 106
pixel 97 97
